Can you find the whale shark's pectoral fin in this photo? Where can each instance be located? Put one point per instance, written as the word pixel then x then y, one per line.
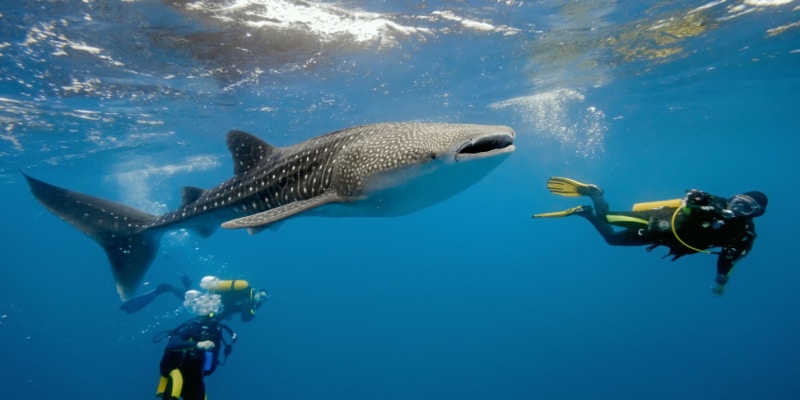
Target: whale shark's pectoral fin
pixel 273 227
pixel 262 219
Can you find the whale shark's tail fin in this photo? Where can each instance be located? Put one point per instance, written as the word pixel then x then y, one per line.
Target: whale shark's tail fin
pixel 122 231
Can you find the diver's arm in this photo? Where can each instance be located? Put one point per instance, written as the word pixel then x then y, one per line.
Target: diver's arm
pixel 248 314
pixel 725 263
pixel 705 203
pixel 180 345
pixel 729 256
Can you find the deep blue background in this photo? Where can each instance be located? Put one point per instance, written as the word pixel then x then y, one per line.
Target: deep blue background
pixel 469 299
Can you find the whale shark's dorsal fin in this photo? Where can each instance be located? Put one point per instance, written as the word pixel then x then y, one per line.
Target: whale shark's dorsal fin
pixel 190 194
pixel 248 151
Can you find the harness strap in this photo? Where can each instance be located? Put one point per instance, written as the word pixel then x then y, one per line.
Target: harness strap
pixel 675 233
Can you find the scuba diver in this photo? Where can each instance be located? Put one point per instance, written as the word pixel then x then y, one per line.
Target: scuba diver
pixel 141 301
pixel 693 224
pixel 191 354
pixel 226 298
pixel 193 349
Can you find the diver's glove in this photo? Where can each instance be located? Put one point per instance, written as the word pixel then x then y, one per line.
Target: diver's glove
pixel 698 198
pixel 701 200
pixel 719 288
pixel 205 345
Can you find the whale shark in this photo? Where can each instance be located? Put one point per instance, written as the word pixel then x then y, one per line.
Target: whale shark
pixel 377 170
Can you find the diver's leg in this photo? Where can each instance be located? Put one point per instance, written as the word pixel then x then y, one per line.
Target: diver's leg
pixel 180 294
pixel 600 203
pixel 624 237
pixel 596 215
pixel 176 378
pixel 139 302
pixel 164 385
pixel 600 224
pixel 193 385
pixel 599 219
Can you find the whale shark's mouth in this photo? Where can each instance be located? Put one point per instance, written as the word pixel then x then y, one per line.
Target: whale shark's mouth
pixel 487 146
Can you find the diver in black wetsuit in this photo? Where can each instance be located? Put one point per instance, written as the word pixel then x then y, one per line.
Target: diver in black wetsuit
pixel 236 297
pixel 694 224
pixel 191 354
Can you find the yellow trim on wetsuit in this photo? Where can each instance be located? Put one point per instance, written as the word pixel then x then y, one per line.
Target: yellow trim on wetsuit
pixel 174 382
pixel 162 385
pixel 177 383
pixel 674 232
pixel 624 218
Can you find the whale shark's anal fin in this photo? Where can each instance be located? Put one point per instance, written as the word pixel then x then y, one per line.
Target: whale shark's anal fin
pixel 257 222
pixel 123 232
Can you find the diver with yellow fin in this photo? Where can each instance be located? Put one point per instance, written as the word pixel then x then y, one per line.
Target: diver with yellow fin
pixel 695 223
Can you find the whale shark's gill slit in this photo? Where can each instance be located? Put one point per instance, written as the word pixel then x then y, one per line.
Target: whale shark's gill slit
pixel 487 144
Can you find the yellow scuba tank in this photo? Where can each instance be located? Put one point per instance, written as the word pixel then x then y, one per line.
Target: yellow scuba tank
pixel 230 285
pixel 652 205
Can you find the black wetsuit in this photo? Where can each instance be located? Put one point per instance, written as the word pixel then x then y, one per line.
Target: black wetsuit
pixel 238 301
pixel 698 227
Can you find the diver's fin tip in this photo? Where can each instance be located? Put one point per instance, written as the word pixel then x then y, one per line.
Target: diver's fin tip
pixel 571 188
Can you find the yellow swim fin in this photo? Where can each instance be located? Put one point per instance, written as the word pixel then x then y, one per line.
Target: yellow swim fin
pixel 558 214
pixel 570 187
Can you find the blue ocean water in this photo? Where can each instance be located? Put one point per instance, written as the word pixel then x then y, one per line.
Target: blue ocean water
pixel 468 299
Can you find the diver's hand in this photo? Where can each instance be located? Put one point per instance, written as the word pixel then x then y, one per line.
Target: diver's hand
pixel 719 288
pixel 698 198
pixel 205 345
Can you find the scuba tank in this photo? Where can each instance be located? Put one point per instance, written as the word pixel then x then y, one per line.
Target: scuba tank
pixel 214 284
pixel 208 360
pixel 652 205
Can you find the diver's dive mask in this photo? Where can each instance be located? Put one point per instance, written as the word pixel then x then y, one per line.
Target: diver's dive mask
pixel 744 206
pixel 259 297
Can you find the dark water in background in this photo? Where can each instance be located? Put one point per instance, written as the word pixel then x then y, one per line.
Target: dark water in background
pixel 467 299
